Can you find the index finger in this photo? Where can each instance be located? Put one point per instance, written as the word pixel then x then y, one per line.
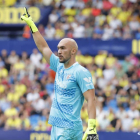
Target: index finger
pixel 26 12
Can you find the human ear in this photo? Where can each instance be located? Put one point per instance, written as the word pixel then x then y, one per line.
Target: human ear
pixel 73 51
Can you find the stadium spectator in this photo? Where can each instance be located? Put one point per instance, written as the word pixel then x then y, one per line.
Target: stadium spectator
pixel 122 112
pixel 11 111
pixel 137 35
pixel 24 56
pixel 134 24
pixel 49 32
pixel 135 125
pixel 26 32
pixel 97 33
pixel 115 23
pixel 108 73
pixel 126 64
pixel 35 57
pixel 1 62
pixel 18 65
pixel 133 112
pixel 59 33
pixel 13 57
pixel 46 3
pixel 107 33
pixel 41 29
pixel 32 95
pixel 53 17
pixel 25 121
pixel 126 123
pixel 8 3
pixel 26 81
pixel 127 34
pixel 123 98
pixel 3 72
pixel 4 55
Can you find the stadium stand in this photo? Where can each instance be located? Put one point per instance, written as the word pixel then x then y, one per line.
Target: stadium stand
pixel 99 19
pixel 26 81
pixel 26 91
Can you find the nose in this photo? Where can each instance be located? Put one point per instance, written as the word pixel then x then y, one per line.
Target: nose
pixel 59 51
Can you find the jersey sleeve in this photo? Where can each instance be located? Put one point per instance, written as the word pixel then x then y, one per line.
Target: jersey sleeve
pixel 54 61
pixel 84 80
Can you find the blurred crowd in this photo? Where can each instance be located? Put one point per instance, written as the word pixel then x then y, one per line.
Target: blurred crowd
pixel 27 82
pixel 27 90
pixel 98 19
pixel 117 88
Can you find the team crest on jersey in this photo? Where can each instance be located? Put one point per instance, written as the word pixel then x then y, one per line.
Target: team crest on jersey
pixel 68 76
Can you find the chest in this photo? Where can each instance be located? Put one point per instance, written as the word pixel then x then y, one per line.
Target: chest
pixel 65 78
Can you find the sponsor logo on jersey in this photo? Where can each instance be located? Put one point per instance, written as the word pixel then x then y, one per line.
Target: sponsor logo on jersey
pixel 87 79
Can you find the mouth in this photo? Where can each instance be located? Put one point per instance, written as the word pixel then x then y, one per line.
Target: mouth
pixel 60 57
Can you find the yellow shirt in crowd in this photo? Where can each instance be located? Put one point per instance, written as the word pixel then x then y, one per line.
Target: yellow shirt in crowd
pixel 59 33
pixel 84 59
pixel 84 115
pixel 115 11
pixel 26 123
pixel 2 88
pixel 100 59
pixel 86 11
pixel 136 123
pixel 10 112
pixel 3 72
pixel 123 16
pixel 14 97
pixel 110 61
pixel 70 12
pixel 19 66
pixel 70 19
pixel 97 73
pixel 7 2
pixel 14 122
pixel 123 82
pixel 21 89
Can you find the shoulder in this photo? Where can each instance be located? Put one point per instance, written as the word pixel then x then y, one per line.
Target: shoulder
pixel 82 72
pixel 81 69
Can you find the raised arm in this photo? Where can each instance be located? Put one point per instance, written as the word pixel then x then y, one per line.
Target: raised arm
pixel 39 40
pixel 42 46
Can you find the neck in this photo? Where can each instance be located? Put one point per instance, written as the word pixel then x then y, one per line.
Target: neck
pixel 69 63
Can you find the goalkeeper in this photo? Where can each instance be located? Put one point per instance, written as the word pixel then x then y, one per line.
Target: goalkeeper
pixel 73 84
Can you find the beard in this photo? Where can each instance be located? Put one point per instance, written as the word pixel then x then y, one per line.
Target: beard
pixel 62 61
pixel 65 60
